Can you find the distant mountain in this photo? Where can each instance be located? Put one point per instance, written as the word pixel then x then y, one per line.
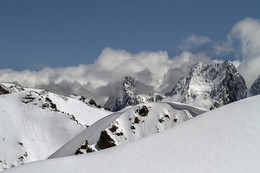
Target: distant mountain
pixel 133 92
pixel 210 86
pixel 35 123
pixel 255 88
pixel 207 85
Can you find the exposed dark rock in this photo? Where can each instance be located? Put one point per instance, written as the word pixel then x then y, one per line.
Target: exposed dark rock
pixel 120 134
pixel 51 104
pixel 82 99
pixel 113 128
pixel 78 152
pixel 3 90
pixel 28 98
pixel 93 102
pixel 143 111
pixel 105 141
pixel 107 109
pixel 20 143
pixel 161 120
pixel 137 120
pixel 166 116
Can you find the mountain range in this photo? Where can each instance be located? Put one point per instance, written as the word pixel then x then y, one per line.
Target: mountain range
pixel 36 124
pixel 206 85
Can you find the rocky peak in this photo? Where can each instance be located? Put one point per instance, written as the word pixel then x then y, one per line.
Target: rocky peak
pixel 255 88
pixel 210 85
pixel 133 93
pixel 129 82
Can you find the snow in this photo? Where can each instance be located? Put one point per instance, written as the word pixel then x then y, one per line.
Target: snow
pixel 128 125
pixel 29 131
pixel 223 140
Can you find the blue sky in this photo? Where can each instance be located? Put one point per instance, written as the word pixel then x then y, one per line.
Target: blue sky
pixel 60 33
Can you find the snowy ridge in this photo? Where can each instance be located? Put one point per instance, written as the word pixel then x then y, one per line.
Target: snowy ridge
pixel 223 140
pixel 128 125
pixel 35 123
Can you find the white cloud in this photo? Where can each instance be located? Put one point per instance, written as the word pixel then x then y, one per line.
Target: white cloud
pixel 205 44
pixel 247 31
pixel 193 42
pixel 105 76
pixel 224 48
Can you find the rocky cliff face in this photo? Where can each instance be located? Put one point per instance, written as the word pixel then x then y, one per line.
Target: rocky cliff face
pixel 255 88
pixel 210 86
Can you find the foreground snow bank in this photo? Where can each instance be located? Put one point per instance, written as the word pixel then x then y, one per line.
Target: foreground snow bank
pixel 224 140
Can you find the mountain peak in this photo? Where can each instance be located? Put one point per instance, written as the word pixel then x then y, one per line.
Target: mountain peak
pixel 133 93
pixel 210 85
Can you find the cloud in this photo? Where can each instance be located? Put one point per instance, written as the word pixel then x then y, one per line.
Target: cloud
pixel 223 48
pixel 247 32
pixel 204 44
pixel 105 76
pixel 193 42
pixel 156 70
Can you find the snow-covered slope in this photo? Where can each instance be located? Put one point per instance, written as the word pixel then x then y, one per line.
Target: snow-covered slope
pixel 223 140
pixel 128 125
pixel 255 88
pixel 35 123
pixel 210 86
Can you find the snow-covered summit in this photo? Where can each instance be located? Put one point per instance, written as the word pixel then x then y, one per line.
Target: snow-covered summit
pixel 210 86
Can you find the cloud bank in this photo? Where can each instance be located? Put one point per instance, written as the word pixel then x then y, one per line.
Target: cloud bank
pixel 104 77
